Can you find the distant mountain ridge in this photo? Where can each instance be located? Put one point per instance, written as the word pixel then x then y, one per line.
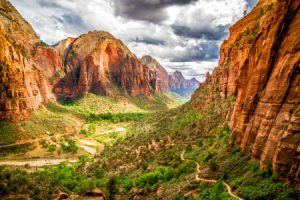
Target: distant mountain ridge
pixel 31 72
pixel 175 82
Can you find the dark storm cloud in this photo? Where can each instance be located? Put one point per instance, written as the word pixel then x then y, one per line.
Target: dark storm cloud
pixel 72 19
pixel 184 37
pixel 70 22
pixel 251 3
pixel 209 33
pixel 147 10
pixel 207 51
pixel 149 41
pixel 48 4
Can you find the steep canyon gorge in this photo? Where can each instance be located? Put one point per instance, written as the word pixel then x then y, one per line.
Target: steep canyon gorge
pixel 259 66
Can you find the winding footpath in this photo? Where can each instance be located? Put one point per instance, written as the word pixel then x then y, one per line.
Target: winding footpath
pixel 229 189
pixel 37 163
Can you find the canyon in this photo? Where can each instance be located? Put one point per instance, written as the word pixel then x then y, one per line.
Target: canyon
pixel 91 101
pixel 162 81
pixel 259 66
pixel 33 72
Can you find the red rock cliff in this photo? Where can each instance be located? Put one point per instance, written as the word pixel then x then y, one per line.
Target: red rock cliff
pixel 31 72
pixel 161 81
pixel 23 76
pixel 181 85
pixel 158 75
pixel 260 65
pixel 97 62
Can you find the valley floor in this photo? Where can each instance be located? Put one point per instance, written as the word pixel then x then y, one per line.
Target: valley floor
pixel 127 152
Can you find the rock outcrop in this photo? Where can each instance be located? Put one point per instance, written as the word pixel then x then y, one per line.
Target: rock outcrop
pixel 32 72
pixel 97 62
pixel 260 66
pixel 23 75
pixel 158 75
pixel 182 86
pixel 161 81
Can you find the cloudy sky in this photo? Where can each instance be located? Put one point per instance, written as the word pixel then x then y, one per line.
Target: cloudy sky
pixel 182 35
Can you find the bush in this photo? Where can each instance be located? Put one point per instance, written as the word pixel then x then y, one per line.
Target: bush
pixel 265 188
pixel 92 128
pixel 41 43
pixel 69 147
pixel 186 167
pixel 51 148
pixel 99 173
pixel 115 118
pixel 44 143
pixel 83 132
pixel 213 166
pixel 151 178
pixel 112 187
pixel 126 183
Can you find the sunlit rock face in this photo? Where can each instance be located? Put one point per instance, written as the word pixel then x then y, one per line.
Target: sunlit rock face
pixel 161 81
pixel 97 62
pixel 33 72
pixel 25 66
pixel 260 65
pixel 182 86
pixel 159 77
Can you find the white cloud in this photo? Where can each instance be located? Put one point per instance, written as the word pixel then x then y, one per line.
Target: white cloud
pixel 175 41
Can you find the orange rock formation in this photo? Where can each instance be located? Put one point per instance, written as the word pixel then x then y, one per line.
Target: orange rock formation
pixel 260 65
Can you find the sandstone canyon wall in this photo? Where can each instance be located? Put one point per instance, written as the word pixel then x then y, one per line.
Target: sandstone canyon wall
pixel 32 72
pixel 97 62
pixel 260 66
pixel 181 85
pixel 158 75
pixel 161 81
pixel 23 74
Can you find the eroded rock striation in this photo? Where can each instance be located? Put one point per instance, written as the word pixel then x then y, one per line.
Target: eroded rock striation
pixel 181 85
pixel 97 62
pixel 159 77
pixel 260 66
pixel 161 81
pixel 32 72
pixel 25 66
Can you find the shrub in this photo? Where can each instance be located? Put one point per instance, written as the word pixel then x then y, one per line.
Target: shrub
pixel 51 148
pixel 151 178
pixel 44 143
pixel 186 167
pixel 58 75
pixel 92 128
pixel 115 118
pixel 112 187
pixel 212 164
pixel 69 147
pixel 99 173
pixel 83 132
pixel 41 43
pixel 126 183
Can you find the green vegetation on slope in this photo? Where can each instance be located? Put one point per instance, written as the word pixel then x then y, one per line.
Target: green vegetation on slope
pixel 149 163
pixel 114 118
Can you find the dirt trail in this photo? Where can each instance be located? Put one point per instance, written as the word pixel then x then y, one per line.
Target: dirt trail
pixel 182 156
pixel 20 142
pixel 88 149
pixel 37 163
pixel 115 130
pixel 229 190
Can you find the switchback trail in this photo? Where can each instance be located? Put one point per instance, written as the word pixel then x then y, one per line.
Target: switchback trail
pixel 229 190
